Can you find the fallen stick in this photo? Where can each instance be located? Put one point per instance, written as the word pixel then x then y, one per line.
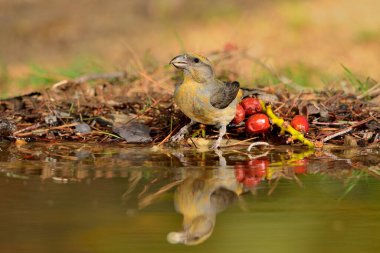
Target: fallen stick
pixel 347 129
pixel 32 127
pixel 43 131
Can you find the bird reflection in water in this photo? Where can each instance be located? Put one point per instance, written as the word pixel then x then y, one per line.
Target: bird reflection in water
pixel 201 195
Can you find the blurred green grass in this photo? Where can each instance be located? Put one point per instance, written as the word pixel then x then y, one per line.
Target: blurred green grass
pixel 295 77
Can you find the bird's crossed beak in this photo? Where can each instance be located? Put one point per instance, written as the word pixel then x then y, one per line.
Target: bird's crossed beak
pixel 179 61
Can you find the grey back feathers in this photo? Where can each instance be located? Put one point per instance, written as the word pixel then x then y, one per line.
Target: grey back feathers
pixel 225 94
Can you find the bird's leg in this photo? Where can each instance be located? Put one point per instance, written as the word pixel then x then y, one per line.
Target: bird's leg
pixel 222 132
pixel 222 159
pixel 181 133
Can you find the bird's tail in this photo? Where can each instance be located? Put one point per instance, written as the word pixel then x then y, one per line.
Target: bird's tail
pixel 263 95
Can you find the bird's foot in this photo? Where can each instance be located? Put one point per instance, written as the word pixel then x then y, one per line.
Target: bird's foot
pixel 177 137
pixel 216 144
pixel 180 135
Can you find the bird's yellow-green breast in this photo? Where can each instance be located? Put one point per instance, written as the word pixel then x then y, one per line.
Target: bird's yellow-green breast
pixel 193 99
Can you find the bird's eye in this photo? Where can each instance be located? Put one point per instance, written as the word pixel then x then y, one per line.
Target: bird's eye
pixel 196 60
pixel 196 238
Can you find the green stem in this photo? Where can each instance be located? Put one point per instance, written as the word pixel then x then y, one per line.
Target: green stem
pixel 285 126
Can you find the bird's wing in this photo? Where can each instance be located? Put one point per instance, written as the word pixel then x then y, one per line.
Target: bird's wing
pixel 224 94
pixel 222 198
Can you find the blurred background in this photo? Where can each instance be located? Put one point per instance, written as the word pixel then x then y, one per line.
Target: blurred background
pixel 46 40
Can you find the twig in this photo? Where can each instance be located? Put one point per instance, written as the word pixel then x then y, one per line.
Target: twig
pixel 279 107
pixel 347 129
pixel 240 142
pixel 336 134
pixel 32 127
pixel 258 143
pixel 43 131
pixel 334 123
pixel 258 156
pixel 168 136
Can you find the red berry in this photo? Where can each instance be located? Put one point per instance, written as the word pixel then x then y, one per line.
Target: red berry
pixel 300 123
pixel 239 115
pixel 251 106
pixel 257 123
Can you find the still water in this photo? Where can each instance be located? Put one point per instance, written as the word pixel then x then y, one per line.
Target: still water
pixel 67 197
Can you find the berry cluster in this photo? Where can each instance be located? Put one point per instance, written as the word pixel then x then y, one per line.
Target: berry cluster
pixel 251 111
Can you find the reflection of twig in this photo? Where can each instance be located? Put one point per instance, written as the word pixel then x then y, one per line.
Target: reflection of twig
pixel 144 202
pixel 135 177
pixel 251 157
pixel 271 190
pixel 242 203
pixel 146 187
pixel 352 184
pixel 374 171
pixel 336 158
pixel 298 181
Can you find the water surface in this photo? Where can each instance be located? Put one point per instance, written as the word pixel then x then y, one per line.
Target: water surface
pixel 69 197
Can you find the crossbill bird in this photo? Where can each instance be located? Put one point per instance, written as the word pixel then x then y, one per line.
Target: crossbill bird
pixel 203 98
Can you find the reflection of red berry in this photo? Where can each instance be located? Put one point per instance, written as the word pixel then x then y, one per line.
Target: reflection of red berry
pixel 249 181
pixel 301 166
pixel 257 123
pixel 239 115
pixel 259 166
pixel 300 123
pixel 251 105
pixel 239 172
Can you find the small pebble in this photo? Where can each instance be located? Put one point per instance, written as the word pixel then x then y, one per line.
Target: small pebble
pixel 51 120
pixel 82 128
pixel 133 132
pixel 6 127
